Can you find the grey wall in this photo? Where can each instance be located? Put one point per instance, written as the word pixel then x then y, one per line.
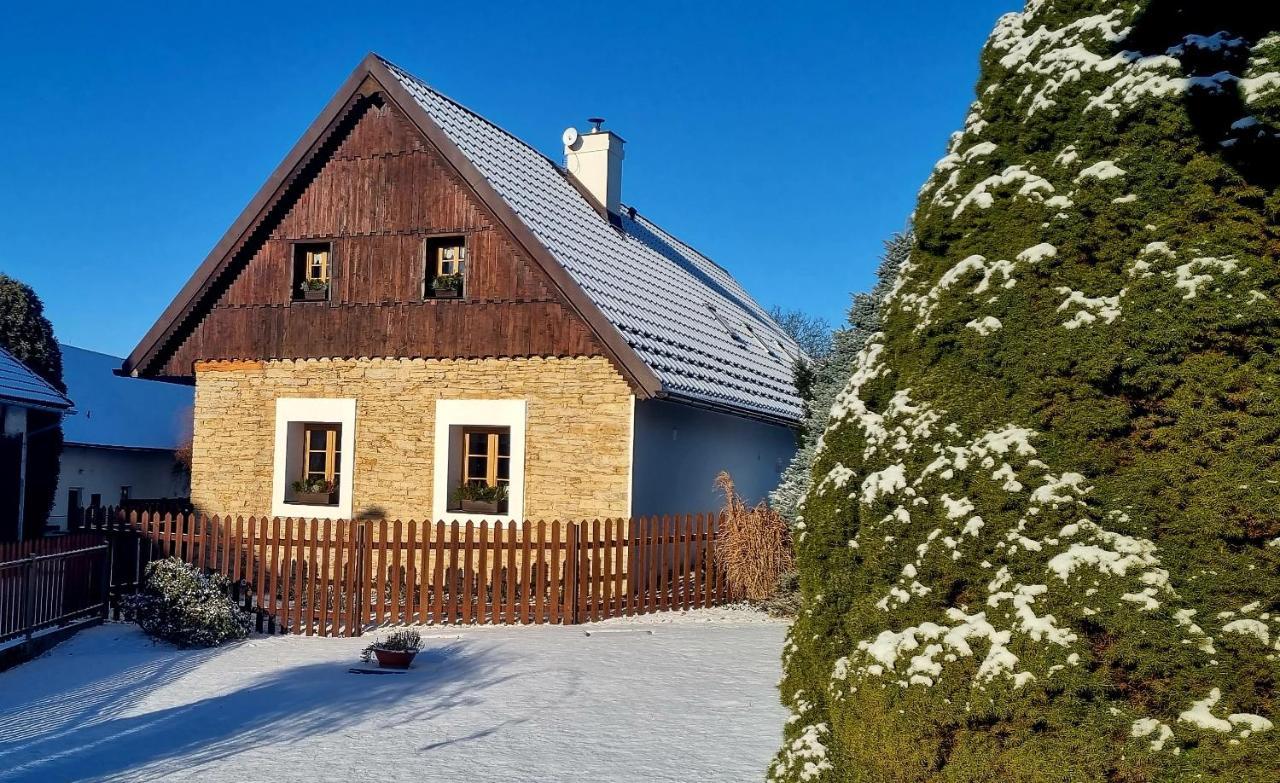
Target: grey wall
pixel 679 450
pixel 105 470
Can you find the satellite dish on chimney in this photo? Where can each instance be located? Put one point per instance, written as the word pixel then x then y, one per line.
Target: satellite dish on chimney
pixel 569 137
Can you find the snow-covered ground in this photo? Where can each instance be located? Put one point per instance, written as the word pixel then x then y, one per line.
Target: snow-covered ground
pixel 661 698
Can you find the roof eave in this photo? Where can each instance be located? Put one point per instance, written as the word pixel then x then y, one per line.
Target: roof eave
pixel 728 408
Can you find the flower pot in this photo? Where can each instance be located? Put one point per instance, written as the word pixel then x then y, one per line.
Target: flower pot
pixel 446 293
pixel 315 498
pixel 394 659
pixel 483 507
pixel 315 294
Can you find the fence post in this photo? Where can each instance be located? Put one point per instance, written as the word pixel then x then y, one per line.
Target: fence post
pixel 104 586
pixel 29 594
pixel 571 574
pixel 361 594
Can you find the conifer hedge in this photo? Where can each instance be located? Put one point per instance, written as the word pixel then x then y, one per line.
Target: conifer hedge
pixel 1043 542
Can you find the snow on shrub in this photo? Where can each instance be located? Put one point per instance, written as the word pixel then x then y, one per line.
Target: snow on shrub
pixel 1043 551
pixel 179 604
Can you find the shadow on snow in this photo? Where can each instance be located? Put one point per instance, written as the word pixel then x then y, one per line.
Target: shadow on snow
pixel 94 723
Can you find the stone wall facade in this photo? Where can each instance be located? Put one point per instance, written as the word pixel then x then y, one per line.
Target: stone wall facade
pixel 578 435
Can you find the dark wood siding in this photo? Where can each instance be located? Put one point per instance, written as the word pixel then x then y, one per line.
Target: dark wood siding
pixel 377 196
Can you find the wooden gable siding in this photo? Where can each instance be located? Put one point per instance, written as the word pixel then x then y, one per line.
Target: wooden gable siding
pixel 377 196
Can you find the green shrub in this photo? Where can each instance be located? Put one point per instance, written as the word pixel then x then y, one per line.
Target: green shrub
pixel 179 604
pixel 1042 542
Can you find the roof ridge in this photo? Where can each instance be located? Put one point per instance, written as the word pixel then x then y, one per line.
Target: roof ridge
pixel 422 83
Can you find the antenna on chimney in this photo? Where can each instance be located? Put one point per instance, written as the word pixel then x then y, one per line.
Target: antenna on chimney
pixel 596 122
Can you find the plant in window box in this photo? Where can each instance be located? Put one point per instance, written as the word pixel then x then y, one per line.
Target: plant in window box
pixel 447 286
pixel 475 498
pixel 315 289
pixel 315 492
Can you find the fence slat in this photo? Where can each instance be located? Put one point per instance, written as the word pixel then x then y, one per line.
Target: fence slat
pixel 327 581
pixel 410 573
pixel 393 616
pixel 555 575
pixel 540 576
pixel 612 528
pixel 466 594
pixel 437 592
pixel 451 576
pixel 425 575
pixel 482 573
pixel 312 533
pixel 525 613
pixel 569 607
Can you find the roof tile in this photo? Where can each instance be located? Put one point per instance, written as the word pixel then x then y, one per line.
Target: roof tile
pixel 658 291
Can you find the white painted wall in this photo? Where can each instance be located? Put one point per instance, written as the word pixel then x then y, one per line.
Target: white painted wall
pixel 680 449
pixel 103 471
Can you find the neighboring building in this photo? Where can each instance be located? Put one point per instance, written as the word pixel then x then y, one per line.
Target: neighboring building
pixel 21 392
pixel 121 443
pixel 418 302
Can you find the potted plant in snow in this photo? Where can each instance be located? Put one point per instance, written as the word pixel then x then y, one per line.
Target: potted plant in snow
pixel 315 290
pixel 396 651
pixel 481 498
pixel 447 286
pixel 315 492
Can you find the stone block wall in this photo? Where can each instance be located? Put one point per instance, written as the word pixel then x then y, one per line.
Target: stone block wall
pixel 577 441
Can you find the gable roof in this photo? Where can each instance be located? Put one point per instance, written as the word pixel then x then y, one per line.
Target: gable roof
pixel 686 317
pixel 20 386
pixel 677 324
pixel 121 412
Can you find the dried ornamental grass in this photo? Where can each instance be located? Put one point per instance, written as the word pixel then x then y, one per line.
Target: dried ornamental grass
pixel 754 545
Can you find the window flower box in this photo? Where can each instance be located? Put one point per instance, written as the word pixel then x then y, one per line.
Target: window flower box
pixel 314 492
pixel 478 498
pixel 447 286
pixel 484 507
pixel 315 498
pixel 315 294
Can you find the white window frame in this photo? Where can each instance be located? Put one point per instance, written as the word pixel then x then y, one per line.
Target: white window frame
pixel 451 417
pixel 291 414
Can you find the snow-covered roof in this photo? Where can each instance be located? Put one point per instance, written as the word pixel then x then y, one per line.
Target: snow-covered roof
pixel 122 412
pixel 22 387
pixel 691 323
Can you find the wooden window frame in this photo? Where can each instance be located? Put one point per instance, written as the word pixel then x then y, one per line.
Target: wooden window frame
pixel 491 455
pixel 332 450
pixel 298 248
pixel 431 249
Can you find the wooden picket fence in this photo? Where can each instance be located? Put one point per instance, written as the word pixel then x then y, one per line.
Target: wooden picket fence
pixel 339 578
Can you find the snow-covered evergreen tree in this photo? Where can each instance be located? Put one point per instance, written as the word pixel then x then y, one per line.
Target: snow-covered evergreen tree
pixel 828 374
pixel 1043 543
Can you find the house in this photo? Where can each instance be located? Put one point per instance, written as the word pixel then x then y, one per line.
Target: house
pixel 420 316
pixel 122 444
pixel 29 407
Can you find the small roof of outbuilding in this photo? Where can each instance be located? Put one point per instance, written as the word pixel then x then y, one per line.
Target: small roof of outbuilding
pixel 121 412
pixel 21 386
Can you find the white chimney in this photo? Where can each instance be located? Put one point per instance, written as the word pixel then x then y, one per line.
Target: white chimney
pixel 594 159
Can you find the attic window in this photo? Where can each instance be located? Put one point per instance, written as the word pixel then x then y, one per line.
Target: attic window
pixel 312 269
pixel 446 266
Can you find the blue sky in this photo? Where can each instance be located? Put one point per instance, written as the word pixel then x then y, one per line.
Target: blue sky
pixel 784 140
